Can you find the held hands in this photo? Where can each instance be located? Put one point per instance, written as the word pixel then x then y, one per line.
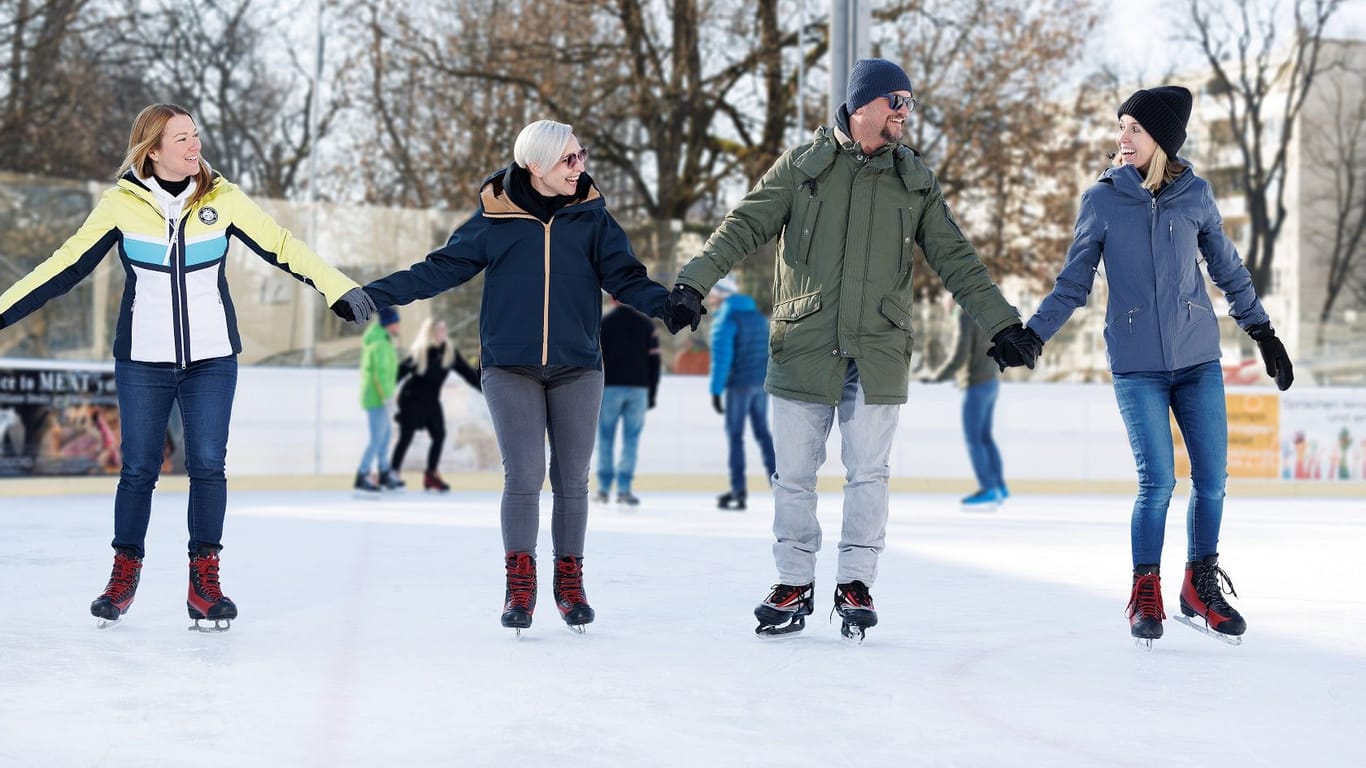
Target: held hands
pixel 683 308
pixel 716 404
pixel 1015 346
pixel 1273 354
pixel 354 306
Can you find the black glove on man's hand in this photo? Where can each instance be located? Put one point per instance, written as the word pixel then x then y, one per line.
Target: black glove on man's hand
pixel 355 306
pixel 683 308
pixel 716 404
pixel 1277 361
pixel 1015 346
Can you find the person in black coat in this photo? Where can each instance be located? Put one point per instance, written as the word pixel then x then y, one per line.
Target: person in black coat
pixel 422 374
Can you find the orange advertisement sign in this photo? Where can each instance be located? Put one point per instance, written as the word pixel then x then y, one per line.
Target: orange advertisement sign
pixel 1253 429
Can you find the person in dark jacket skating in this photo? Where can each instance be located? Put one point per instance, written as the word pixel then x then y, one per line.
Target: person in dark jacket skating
pixel 630 366
pixel 548 247
pixel 1152 222
pixel 739 357
pixel 421 376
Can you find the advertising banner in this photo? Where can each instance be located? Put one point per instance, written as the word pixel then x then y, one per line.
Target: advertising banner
pixel 1323 435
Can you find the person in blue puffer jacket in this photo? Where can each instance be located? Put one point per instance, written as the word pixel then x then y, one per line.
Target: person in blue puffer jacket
pixel 739 360
pixel 1152 221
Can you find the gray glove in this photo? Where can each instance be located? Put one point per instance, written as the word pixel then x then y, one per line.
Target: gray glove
pixel 354 306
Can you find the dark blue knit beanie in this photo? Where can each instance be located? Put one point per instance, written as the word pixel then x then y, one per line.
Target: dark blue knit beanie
pixel 871 78
pixel 388 316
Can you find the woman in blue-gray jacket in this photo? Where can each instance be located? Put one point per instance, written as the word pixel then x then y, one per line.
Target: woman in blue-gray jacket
pixel 1152 220
pixel 548 248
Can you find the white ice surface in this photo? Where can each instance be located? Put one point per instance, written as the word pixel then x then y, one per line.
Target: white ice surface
pixel 369 636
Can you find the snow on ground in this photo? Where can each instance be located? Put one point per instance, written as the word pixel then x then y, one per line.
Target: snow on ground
pixel 369 635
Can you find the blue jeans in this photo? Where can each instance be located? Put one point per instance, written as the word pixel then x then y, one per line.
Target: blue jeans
pixel 979 403
pixel 800 430
pixel 377 450
pixel 1195 395
pixel 626 405
pixel 204 391
pixel 747 403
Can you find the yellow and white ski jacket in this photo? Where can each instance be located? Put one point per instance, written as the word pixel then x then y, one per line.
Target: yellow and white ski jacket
pixel 176 307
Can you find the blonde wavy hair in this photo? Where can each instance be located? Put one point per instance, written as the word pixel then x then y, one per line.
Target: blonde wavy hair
pixel 427 337
pixel 1162 170
pixel 148 128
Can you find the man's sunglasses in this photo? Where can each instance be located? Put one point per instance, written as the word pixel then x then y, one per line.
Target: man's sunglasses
pixel 896 101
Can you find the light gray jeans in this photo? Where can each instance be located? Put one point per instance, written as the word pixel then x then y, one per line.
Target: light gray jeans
pixel 529 403
pixel 800 430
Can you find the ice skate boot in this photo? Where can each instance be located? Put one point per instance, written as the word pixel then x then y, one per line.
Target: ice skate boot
pixel 601 497
pixel 390 481
pixel 785 609
pixel 855 607
pixel 365 487
pixel 1145 606
pixel 206 600
pixel 1202 594
pixel 569 595
pixel 431 481
pixel 731 500
pixel 119 592
pixel 628 499
pixel 520 600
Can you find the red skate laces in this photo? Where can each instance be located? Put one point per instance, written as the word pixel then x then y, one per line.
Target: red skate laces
pixel 1146 599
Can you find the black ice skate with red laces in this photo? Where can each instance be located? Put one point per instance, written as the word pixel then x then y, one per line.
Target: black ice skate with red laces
pixel 520 600
pixel 206 601
pixel 1145 606
pixel 109 607
pixel 1202 595
pixel 569 595
pixel 785 609
pixel 855 607
pixel 432 482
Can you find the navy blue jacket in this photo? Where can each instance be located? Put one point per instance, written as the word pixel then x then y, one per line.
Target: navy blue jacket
pixel 1159 316
pixel 543 281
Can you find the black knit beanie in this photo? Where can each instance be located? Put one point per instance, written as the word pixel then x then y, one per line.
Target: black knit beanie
pixel 1163 112
pixel 871 78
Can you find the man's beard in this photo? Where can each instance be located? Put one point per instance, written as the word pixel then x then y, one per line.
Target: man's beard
pixel 889 136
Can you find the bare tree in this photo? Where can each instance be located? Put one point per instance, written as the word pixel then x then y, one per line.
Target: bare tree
pixel 1264 72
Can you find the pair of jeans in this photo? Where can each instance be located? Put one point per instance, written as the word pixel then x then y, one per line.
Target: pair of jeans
pixel 979 403
pixel 377 450
pixel 626 405
pixel 800 430
pixel 147 391
pixel 528 404
pixel 747 403
pixel 1195 396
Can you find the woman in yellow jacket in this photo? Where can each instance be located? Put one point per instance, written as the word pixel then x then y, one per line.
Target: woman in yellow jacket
pixel 169 217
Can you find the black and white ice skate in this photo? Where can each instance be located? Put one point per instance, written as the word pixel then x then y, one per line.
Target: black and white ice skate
pixel 785 609
pixel 731 500
pixel 855 607
pixel 1199 625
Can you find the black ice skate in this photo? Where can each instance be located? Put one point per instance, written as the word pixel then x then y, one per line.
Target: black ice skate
pixel 731 500
pixel 390 481
pixel 1145 606
pixel 431 481
pixel 1202 594
pixel 785 609
pixel 365 486
pixel 118 593
pixel 206 600
pixel 520 599
pixel 855 607
pixel 569 595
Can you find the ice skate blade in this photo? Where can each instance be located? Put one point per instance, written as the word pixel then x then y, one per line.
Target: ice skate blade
pixel 852 632
pixel 1204 629
pixel 219 625
pixel 778 631
pixel 1146 643
pixel 578 629
pixel 101 623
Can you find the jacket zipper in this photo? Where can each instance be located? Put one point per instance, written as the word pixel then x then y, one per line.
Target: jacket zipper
pixel 545 300
pixel 178 298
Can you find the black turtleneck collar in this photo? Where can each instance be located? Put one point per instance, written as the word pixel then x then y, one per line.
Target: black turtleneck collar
pixel 517 183
pixel 174 188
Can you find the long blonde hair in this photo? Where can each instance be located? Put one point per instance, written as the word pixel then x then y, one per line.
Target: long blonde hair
pixel 1161 170
pixel 145 136
pixel 427 338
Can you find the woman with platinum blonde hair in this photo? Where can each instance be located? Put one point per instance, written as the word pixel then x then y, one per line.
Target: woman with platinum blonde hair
pixel 548 248
pixel 422 374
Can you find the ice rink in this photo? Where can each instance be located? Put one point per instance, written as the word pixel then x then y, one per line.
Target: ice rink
pixel 369 636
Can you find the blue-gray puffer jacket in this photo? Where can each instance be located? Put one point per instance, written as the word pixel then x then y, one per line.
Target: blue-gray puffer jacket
pixel 1159 316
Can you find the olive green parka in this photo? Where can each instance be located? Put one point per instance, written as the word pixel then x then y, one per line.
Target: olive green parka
pixel 848 223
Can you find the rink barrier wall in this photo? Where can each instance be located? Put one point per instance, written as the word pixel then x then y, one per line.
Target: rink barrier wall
pixel 303 428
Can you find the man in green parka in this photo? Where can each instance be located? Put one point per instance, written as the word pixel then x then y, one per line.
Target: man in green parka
pixel 849 208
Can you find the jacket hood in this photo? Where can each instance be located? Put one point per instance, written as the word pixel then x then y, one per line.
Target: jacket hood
pixel 1127 180
pixel 493 195
pixel 813 158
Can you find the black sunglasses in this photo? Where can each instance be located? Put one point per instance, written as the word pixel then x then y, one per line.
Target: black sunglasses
pixel 896 101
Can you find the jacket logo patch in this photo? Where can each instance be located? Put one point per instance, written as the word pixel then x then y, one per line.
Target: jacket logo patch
pixel 208 215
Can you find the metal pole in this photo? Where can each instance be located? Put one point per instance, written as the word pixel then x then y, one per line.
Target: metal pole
pixel 801 70
pixel 310 325
pixel 839 52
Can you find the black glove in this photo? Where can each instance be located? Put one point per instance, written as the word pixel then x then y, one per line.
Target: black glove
pixel 1273 354
pixel 354 306
pixel 716 404
pixel 1014 346
pixel 683 308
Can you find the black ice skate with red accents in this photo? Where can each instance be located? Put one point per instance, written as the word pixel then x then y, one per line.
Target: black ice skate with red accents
pixel 519 602
pixel 118 595
pixel 1202 595
pixel 206 601
pixel 1145 606
pixel 570 598
pixel 855 607
pixel 785 609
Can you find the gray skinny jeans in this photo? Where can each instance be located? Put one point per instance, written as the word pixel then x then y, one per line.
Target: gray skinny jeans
pixel 528 403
